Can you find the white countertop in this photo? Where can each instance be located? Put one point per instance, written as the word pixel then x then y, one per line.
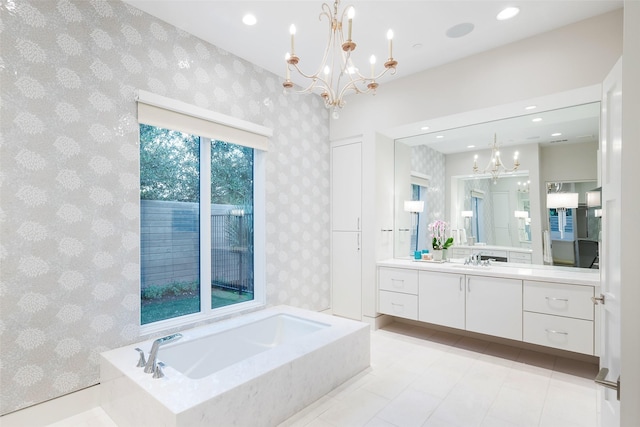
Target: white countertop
pixel 535 272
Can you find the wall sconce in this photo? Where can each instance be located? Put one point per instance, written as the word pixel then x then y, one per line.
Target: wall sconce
pixel 415 207
pixel 561 202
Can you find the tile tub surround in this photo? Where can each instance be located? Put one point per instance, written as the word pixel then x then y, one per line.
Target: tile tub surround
pixel 264 389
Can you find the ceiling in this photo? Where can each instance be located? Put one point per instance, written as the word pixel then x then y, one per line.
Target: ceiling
pixel 420 27
pixel 577 124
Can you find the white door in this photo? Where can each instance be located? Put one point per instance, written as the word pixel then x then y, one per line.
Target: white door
pixel 501 219
pixel 346 262
pixel 346 187
pixel 611 150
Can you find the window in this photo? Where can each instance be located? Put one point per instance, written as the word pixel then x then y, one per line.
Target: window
pixel 420 234
pixel 201 216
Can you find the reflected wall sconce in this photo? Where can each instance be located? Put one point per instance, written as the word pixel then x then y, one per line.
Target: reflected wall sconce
pixel 561 202
pixel 415 207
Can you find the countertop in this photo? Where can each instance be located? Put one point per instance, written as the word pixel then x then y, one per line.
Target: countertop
pixel 534 272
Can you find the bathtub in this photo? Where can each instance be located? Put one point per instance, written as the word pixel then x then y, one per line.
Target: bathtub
pixel 253 370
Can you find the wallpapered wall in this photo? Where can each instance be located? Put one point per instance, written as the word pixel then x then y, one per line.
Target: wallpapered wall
pixel 430 162
pixel 69 276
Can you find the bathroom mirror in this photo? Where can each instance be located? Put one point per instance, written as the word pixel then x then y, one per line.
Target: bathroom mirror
pixel 574 231
pixel 496 214
pixel 437 167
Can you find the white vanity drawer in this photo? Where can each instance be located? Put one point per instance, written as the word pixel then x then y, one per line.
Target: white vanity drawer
pixel 398 280
pixel 559 298
pixel 398 304
pixel 559 332
pixel 520 257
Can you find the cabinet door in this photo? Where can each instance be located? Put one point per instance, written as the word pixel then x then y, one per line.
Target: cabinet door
pixel 346 274
pixel 494 306
pixel 441 299
pixel 346 187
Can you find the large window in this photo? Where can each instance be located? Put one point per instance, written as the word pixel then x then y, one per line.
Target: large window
pixel 170 212
pixel 199 215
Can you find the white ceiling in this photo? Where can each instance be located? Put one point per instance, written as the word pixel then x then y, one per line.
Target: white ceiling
pixel 414 23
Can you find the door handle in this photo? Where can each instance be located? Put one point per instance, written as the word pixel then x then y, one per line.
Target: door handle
pixel 598 300
pixel 601 379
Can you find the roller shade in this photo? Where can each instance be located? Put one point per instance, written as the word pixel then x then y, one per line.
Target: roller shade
pixel 159 111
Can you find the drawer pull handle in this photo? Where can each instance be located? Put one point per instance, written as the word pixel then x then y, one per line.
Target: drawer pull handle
pixel 557 299
pixel 398 308
pixel 400 283
pixel 551 331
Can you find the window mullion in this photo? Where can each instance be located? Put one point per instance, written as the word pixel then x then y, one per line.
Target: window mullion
pixel 205 225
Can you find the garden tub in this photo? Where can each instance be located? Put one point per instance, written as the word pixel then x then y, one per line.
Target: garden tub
pixel 257 370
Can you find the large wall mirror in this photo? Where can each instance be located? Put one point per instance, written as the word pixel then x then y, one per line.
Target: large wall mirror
pixel 436 169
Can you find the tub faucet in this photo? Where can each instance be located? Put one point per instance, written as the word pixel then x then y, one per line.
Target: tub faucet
pixel 150 367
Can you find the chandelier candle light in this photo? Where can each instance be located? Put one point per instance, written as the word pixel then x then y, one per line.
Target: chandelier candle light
pixel 336 74
pixel 495 166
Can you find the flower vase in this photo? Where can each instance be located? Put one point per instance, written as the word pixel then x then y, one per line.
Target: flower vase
pixel 437 254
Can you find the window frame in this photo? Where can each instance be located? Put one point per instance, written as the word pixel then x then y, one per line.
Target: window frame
pixel 259 217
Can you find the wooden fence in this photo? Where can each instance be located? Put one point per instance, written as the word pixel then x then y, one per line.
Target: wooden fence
pixel 170 240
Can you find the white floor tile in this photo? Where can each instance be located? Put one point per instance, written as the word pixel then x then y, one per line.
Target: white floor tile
pixel 410 408
pixel 419 377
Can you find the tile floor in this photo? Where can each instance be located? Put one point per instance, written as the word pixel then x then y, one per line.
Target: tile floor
pixel 420 377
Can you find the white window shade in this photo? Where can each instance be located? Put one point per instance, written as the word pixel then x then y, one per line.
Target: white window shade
pixel 157 110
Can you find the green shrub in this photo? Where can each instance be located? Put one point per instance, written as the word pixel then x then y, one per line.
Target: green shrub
pixel 151 292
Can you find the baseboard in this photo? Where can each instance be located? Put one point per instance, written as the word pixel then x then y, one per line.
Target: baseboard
pixel 378 322
pixel 498 340
pixel 54 410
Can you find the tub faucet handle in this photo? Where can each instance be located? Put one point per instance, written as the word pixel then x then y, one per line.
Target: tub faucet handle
pixel 157 372
pixel 141 361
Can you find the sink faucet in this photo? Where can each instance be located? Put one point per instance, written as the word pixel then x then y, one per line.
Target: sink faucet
pixel 476 259
pixel 150 367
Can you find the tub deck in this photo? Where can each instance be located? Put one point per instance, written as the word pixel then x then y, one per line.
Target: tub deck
pixel 263 390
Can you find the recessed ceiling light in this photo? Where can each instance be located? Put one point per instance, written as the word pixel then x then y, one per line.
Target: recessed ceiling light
pixel 460 30
pixel 471 146
pixel 507 13
pixel 440 136
pixel 424 128
pixel 537 119
pixel 556 134
pixel 249 19
pixel 531 107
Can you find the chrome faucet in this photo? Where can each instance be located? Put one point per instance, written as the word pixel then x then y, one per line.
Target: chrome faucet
pixel 476 259
pixel 151 367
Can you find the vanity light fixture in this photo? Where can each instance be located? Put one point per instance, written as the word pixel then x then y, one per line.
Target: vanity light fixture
pixel 561 202
pixel 415 207
pixel 334 83
pixel 495 167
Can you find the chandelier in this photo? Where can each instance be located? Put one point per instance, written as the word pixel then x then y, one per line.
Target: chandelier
pixel 337 75
pixel 495 167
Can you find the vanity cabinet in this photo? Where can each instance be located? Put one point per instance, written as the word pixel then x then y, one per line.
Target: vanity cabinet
pixel 398 292
pixel 441 299
pixel 528 305
pixel 494 306
pixel 559 315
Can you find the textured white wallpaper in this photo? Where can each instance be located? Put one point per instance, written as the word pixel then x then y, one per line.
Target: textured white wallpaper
pixel 69 248
pixel 430 162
